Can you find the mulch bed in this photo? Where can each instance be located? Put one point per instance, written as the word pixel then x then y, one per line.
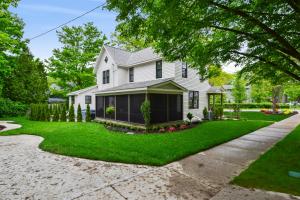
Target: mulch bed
pixel 2 127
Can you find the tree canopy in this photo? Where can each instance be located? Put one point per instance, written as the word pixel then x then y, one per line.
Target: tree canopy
pixel 221 78
pixel 261 36
pixel 239 90
pixel 72 65
pixel 11 43
pixel 27 83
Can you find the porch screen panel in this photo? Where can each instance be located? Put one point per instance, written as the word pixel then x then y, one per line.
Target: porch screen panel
pixel 175 107
pixel 99 106
pixel 122 107
pixel 136 101
pixel 109 101
pixel 158 108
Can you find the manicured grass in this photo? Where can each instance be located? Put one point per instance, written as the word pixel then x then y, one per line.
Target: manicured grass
pixel 259 116
pixel 93 141
pixel 270 171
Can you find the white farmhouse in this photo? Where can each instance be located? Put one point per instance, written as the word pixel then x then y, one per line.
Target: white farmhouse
pixel 125 79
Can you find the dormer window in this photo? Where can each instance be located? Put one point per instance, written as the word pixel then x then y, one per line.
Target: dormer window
pixel 131 74
pixel 184 69
pixel 159 69
pixel 106 59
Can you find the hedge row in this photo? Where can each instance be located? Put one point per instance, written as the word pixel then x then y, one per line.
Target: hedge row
pixel 254 105
pixel 45 112
pixel 10 108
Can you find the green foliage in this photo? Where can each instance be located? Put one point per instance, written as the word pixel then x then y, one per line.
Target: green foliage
pixel 39 112
pixel 221 78
pixel 11 33
pixel 146 111
pixel 71 65
pixel 190 116
pixel 239 90
pixel 129 43
pixel 292 90
pixel 27 81
pixel 218 112
pixel 88 113
pixel 110 110
pixel 71 113
pixel 261 91
pixel 205 113
pixel 79 114
pixel 55 113
pixel 253 105
pixel 260 36
pixel 63 115
pixel 12 108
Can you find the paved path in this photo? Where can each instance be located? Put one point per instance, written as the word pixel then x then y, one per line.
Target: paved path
pixel 26 172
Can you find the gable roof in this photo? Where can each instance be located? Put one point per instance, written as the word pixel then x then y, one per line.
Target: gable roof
pixel 126 59
pixel 77 92
pixel 142 85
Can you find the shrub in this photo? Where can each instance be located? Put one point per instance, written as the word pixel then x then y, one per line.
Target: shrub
pixel 146 111
pixel 79 114
pixel 205 113
pixel 254 105
pixel 110 110
pixel 11 108
pixel 88 113
pixel 71 113
pixel 63 114
pixel 190 116
pixel 55 114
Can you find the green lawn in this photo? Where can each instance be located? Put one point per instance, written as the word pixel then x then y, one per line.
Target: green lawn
pixel 259 116
pixel 93 141
pixel 270 171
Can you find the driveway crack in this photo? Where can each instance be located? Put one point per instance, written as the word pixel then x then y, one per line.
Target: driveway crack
pixel 118 192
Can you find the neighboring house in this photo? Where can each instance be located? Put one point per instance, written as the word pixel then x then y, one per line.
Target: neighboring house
pixel 125 79
pixel 229 96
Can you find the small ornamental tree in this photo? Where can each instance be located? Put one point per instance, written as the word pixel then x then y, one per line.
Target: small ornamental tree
pixel 146 111
pixel 63 114
pixel 205 113
pixel 110 110
pixel 79 114
pixel 71 113
pixel 190 116
pixel 50 109
pixel 88 113
pixel 55 114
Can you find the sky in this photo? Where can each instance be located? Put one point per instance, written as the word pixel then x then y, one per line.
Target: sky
pixel 40 16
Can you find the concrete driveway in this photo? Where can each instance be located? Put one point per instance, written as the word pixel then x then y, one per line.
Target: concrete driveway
pixel 26 172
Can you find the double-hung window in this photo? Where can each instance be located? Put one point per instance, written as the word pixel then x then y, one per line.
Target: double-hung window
pixel 193 99
pixel 105 76
pixel 159 69
pixel 131 74
pixel 88 99
pixel 184 69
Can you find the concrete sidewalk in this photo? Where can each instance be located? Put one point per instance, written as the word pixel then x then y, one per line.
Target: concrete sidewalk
pixel 26 172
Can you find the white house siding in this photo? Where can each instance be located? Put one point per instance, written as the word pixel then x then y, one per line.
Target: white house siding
pixel 102 66
pixel 192 83
pixel 147 72
pixel 123 75
pixel 80 99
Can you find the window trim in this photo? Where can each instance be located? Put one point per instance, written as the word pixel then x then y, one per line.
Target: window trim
pixel 184 70
pixel 131 74
pixel 194 102
pixel 158 75
pixel 90 99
